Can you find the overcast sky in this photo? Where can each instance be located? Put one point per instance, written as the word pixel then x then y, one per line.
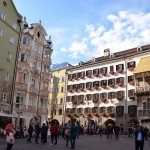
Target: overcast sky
pixel 82 29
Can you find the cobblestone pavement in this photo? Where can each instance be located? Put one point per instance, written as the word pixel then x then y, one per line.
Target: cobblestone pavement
pixel 82 143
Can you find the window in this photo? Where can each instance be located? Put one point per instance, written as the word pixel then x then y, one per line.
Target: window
pixel 24 57
pixel 111 95
pixel 6 76
pixel 63 79
pixel 60 111
pixel 61 100
pixel 111 68
pixel 62 89
pixel 4 4
pixel 32 101
pixel 46 69
pixel 19 98
pixel 9 57
pixel 104 70
pixel 33 82
pixel 26 41
pixel 47 54
pixel 14 25
pixel 131 64
pixel 120 67
pixel 2 15
pixel 1 31
pixel 4 97
pixel 12 40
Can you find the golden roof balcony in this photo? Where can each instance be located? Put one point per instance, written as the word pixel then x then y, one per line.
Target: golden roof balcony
pixel 21 86
pixel 31 109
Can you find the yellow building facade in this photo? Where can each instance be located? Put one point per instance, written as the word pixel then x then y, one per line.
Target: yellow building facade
pixel 57 92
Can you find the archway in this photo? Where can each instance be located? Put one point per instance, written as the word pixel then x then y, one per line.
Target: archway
pixel 55 121
pixel 110 121
pixel 133 123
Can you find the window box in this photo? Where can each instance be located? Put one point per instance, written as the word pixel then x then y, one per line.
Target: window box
pixel 95 75
pixel 104 86
pixel 131 69
pixel 132 97
pixel 111 72
pixel 103 73
pixel 120 71
pixel 103 100
pixel 95 100
pixel 120 84
pixel 120 98
pixel 131 82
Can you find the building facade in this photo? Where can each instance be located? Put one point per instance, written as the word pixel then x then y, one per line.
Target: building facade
pixel 57 95
pixel 9 38
pixel 31 87
pixel 142 82
pixel 102 90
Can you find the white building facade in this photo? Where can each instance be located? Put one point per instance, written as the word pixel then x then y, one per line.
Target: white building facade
pixel 102 90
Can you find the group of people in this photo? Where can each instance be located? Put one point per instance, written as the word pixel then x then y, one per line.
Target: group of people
pixel 71 130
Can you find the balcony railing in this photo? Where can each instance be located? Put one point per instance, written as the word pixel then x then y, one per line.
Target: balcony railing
pixel 20 108
pixel 143 89
pixel 144 113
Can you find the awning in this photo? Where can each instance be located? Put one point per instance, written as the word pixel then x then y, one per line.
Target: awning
pixel 143 66
pixel 6 115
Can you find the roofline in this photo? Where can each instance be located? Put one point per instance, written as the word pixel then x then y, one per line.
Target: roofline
pixel 20 16
pixel 118 55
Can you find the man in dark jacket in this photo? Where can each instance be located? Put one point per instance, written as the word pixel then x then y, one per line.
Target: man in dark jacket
pixel 30 131
pixel 44 130
pixel 73 134
pixel 139 138
pixel 116 130
pixel 37 132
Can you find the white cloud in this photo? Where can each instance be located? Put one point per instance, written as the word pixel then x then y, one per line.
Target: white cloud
pixel 63 49
pixel 123 31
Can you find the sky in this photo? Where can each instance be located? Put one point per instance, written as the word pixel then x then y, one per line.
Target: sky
pixel 82 29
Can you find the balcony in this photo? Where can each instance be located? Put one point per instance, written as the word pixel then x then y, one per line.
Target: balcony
pixel 47 61
pixel 20 108
pixel 25 49
pixel 46 76
pixel 23 65
pixel 31 109
pixel 33 90
pixel 21 86
pixel 44 93
pixel 144 113
pixel 42 110
pixel 143 89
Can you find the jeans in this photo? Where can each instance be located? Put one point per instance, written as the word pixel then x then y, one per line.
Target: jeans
pixel 139 145
pixel 9 146
pixel 72 141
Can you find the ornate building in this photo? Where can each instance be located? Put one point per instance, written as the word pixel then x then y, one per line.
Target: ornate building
pixel 57 95
pixel 142 82
pixel 102 90
pixel 31 87
pixel 9 38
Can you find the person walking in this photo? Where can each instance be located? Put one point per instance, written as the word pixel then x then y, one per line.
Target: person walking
pixel 73 134
pixel 44 130
pixel 67 133
pixel 116 131
pixel 139 138
pixel 54 131
pixel 37 133
pixel 10 132
pixel 30 132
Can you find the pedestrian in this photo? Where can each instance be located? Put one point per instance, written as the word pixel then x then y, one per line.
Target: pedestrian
pixel 30 132
pixel 116 131
pixel 44 130
pixel 73 134
pixel 109 131
pixel 139 138
pixel 67 133
pixel 54 131
pixel 37 133
pixel 10 132
pixel 146 131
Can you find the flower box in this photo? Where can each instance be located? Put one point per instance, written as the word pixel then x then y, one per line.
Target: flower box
pixel 95 101
pixel 103 73
pixel 120 84
pixel 120 98
pixel 111 72
pixel 132 97
pixel 131 69
pixel 96 75
pixel 120 71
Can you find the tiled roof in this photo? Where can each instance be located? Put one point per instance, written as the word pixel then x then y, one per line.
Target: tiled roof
pixel 143 66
